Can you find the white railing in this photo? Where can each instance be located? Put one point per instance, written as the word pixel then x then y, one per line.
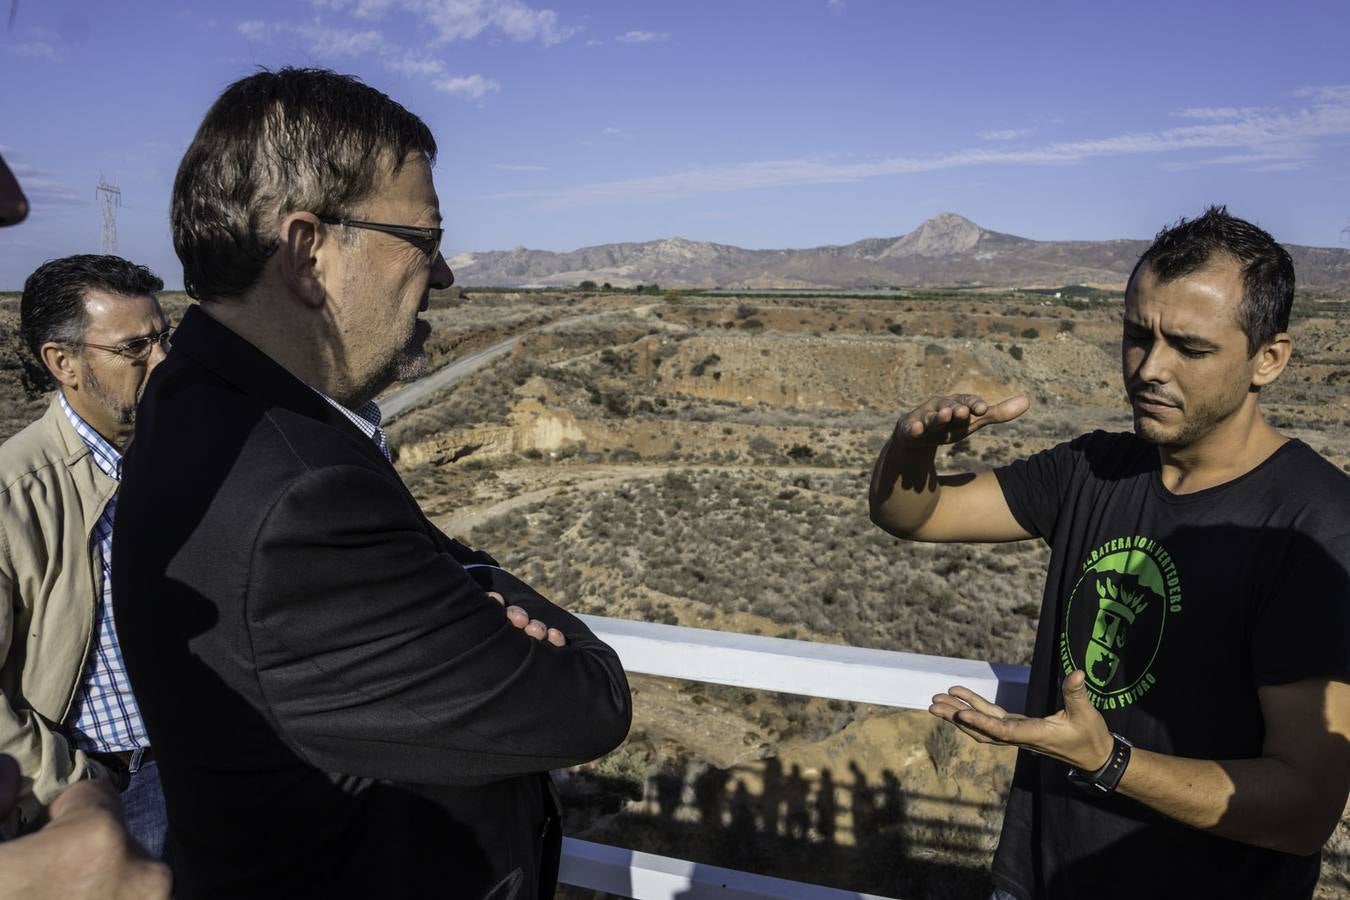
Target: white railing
pixel 630 873
pixel 857 674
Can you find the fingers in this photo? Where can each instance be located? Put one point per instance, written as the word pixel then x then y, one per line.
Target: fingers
pixel 948 708
pixel 1007 410
pixel 976 702
pixel 986 722
pixel 948 419
pixel 533 627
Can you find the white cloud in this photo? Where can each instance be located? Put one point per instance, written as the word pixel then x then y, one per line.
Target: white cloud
pixel 507 167
pixel 462 20
pixel 612 131
pixel 1292 165
pixel 521 23
pixel 470 87
pixel 1216 113
pixel 415 66
pixel 43 189
pixel 1334 93
pixel 1004 134
pixel 835 6
pixel 37 50
pixel 643 37
pixel 372 9
pixel 321 40
pixel 256 30
pixel 334 43
pixel 1267 138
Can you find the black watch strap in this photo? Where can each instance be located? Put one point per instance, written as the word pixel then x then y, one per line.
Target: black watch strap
pixel 1105 779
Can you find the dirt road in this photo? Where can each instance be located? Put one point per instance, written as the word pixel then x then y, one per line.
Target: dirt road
pixel 396 403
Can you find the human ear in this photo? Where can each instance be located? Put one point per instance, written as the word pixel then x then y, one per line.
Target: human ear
pixel 60 362
pixel 297 253
pixel 1271 360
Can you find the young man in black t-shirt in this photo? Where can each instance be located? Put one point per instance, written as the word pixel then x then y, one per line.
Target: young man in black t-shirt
pixel 1187 727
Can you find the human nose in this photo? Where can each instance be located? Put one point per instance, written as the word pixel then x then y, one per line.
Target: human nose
pixel 1156 364
pixel 441 276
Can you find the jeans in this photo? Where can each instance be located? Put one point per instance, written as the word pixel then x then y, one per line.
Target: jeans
pixel 143 807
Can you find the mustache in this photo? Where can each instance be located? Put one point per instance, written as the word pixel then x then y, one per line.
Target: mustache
pixel 1154 396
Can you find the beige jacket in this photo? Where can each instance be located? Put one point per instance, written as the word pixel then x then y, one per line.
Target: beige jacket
pixel 51 496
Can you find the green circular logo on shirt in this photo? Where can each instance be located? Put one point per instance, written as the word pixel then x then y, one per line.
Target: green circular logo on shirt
pixel 1115 618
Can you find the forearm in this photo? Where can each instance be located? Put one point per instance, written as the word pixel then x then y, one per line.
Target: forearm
pixel 904 489
pixel 1264 801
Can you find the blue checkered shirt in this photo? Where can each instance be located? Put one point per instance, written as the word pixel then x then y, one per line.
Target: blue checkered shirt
pixel 104 717
pixel 367 418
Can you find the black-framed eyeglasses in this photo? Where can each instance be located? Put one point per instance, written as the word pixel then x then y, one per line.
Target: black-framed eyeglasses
pixel 428 240
pixel 137 349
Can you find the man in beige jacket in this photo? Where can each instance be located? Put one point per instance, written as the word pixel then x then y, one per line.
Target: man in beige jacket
pixel 84 852
pixel 67 713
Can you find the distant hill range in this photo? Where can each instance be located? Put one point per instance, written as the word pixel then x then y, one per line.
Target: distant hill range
pixel 945 251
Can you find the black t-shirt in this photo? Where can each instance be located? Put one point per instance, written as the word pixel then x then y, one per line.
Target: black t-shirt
pixel 1178 607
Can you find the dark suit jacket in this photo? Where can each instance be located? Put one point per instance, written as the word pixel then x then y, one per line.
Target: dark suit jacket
pixel 337 708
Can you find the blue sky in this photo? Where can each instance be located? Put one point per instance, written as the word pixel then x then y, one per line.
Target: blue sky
pixel 762 124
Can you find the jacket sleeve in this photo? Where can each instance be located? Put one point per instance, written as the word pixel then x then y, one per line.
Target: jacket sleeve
pixel 379 655
pixel 47 762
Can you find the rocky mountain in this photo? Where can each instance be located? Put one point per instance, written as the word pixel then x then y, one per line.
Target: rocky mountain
pixel 947 250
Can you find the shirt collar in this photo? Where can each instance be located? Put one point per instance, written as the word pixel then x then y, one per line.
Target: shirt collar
pixel 105 454
pixel 366 417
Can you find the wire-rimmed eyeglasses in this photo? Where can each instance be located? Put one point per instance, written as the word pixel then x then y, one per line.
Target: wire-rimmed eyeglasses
pixel 428 240
pixel 136 349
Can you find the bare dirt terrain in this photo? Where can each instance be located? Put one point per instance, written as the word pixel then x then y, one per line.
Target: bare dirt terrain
pixel 703 460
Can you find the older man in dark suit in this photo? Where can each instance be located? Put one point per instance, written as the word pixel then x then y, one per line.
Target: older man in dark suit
pixel 340 703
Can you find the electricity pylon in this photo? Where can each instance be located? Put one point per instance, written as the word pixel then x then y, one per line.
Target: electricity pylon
pixel 109 197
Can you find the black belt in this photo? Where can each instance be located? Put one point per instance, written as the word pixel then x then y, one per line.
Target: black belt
pixel 119 761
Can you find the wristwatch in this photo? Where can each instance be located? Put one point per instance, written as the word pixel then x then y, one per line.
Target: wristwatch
pixel 1104 780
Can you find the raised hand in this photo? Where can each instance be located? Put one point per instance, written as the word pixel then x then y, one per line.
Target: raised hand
pixel 948 419
pixel 533 627
pixel 1076 735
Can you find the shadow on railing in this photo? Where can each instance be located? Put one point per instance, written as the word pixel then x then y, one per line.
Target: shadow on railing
pixel 859 833
pixel 705 828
